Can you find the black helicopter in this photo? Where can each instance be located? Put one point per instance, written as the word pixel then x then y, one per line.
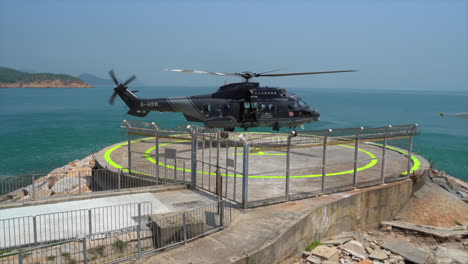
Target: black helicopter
pixel 245 104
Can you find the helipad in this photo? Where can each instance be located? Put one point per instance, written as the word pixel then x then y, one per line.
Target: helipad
pixel 266 166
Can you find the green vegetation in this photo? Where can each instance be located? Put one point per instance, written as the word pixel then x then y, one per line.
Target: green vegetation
pixel 67 257
pixel 99 250
pixel 119 245
pixel 8 75
pixel 313 245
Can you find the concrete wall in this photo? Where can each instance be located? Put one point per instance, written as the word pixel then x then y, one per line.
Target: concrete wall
pixel 359 209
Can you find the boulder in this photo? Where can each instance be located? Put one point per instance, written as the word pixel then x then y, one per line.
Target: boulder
pixel 354 248
pixel 313 259
pixel 326 253
pixel 459 257
pixel 337 242
pixel 408 251
pixel 378 254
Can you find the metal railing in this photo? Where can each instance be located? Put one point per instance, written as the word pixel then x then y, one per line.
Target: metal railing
pixel 249 168
pixel 148 235
pixel 38 229
pixel 24 188
pixel 260 168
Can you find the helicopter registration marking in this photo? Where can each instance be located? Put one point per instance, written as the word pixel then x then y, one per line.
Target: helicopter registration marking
pixel 149 104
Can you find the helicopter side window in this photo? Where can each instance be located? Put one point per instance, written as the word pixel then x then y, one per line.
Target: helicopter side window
pixel 247 105
pixel 302 103
pixel 293 105
pixel 207 108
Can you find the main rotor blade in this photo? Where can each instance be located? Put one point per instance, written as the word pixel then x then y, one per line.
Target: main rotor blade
pixel 300 73
pixel 272 71
pixel 112 98
pixel 202 72
pixel 112 75
pixel 133 77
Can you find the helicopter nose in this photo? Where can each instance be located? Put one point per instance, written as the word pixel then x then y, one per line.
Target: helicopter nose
pixel 315 114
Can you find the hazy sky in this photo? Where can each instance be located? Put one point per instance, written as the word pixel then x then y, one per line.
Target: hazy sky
pixel 394 44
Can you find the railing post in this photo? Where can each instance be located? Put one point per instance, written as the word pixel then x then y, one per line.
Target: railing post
pixel 129 147
pixel 384 151
pixel 193 159
pixel 119 179
pixel 221 215
pixel 156 149
pixel 356 154
pixel 245 171
pixel 20 257
pixel 184 226
pixel 85 253
pixel 288 165
pixel 35 229
pixel 219 181
pixel 90 222
pixel 410 149
pixel 33 186
pixel 79 182
pixel 139 230
pixel 324 159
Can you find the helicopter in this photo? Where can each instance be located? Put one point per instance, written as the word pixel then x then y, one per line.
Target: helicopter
pixel 245 104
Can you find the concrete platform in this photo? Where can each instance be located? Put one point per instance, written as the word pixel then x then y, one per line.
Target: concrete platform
pixel 55 225
pixel 273 233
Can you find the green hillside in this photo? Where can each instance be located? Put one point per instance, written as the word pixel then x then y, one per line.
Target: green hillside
pixel 8 75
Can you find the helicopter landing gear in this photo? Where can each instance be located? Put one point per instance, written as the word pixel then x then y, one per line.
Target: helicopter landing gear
pixel 276 127
pixel 229 129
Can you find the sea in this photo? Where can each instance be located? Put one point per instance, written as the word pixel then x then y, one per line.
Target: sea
pixel 45 128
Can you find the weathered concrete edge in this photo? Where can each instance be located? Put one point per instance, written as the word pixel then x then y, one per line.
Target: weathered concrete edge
pixel 93 195
pixel 358 209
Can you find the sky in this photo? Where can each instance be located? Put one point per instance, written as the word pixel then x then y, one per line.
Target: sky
pixel 394 44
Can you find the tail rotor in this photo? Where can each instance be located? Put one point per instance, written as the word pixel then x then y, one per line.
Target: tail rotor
pixel 120 86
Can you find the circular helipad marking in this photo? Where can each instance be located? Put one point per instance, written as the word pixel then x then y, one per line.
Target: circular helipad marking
pixel 373 162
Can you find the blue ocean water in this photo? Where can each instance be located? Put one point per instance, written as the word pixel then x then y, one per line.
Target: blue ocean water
pixel 41 129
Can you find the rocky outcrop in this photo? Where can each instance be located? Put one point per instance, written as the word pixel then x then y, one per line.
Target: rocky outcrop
pixel 72 178
pixel 47 84
pixel 450 184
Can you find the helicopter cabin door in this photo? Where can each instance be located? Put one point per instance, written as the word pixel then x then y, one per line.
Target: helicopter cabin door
pixel 266 111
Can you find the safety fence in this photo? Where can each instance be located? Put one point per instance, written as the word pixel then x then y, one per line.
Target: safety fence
pixel 38 229
pixel 66 183
pixel 256 168
pixel 148 234
pixel 251 169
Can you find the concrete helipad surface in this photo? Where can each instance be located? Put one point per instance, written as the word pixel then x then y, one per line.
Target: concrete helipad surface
pixel 267 165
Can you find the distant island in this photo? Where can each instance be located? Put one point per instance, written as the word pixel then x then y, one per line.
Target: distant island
pixel 98 81
pixel 11 78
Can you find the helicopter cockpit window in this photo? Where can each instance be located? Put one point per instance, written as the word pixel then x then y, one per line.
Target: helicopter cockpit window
pixel 302 103
pixel 247 105
pixel 293 105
